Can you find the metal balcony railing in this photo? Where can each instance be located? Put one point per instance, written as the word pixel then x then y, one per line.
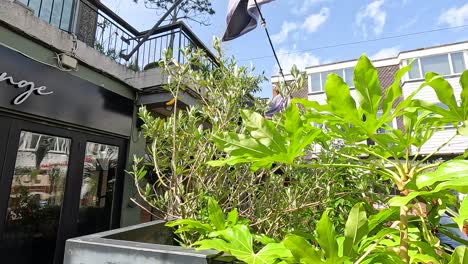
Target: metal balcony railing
pixel 99 27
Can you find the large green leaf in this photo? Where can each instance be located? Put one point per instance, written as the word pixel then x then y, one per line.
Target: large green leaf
pixel 215 214
pixel 464 94
pixel 340 100
pixel 263 130
pixel 266 143
pixel 190 225
pixel 302 250
pixel 238 242
pixel 450 170
pixel 394 91
pixel 241 145
pixel 462 213
pixel 459 184
pixel 355 229
pixel 326 237
pixel 385 215
pixel 383 258
pixel 443 89
pixel 404 200
pixel 366 82
pixel 460 255
pixel 232 217
pixel 423 258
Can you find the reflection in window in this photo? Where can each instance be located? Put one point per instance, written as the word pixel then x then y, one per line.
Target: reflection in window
pixel 36 196
pixel 31 142
pixel 97 187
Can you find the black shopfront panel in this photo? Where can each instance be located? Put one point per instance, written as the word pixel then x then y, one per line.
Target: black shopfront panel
pixel 62 156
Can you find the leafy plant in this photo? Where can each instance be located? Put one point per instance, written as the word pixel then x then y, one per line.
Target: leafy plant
pixel 325 246
pixel 395 154
pixel 174 178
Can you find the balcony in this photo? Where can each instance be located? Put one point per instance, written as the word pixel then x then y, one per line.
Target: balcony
pixel 100 28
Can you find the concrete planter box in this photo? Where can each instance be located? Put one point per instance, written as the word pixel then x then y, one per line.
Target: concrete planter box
pixel 140 244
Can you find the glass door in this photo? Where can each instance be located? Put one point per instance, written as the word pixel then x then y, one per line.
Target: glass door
pixel 36 196
pixel 55 184
pixel 97 188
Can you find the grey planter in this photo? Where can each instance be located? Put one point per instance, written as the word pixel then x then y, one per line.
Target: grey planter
pixel 140 244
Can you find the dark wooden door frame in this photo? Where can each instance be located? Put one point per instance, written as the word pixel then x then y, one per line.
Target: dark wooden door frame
pixel 70 205
pixel 5 124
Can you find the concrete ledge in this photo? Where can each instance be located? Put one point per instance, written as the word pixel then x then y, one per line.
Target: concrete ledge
pixel 119 246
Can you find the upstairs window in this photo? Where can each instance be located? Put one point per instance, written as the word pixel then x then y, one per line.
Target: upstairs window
pixel 317 80
pixel 445 64
pixel 55 12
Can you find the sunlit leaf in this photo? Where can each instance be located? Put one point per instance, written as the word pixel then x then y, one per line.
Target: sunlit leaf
pixel 302 250
pixel 215 214
pixel 460 255
pixel 451 170
pixel 356 228
pixel 238 242
pixel 368 90
pixel 326 237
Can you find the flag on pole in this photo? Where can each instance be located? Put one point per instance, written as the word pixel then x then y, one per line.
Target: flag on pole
pixel 242 17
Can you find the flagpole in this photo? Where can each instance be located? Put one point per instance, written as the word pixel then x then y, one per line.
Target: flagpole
pixel 263 21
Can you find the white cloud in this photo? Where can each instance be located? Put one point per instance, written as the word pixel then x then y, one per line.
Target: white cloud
pixel 281 36
pixel 305 6
pixel 372 15
pixel 455 16
pixel 292 57
pixel 311 24
pixel 408 24
pixel 386 53
pixel 314 21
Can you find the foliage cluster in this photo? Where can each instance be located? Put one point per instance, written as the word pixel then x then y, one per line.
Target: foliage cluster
pixel 173 178
pixel 394 156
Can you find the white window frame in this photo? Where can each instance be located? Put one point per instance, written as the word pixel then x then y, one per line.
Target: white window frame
pixel 449 56
pixel 322 82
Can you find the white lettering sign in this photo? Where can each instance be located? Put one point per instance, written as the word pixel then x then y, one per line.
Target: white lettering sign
pixel 30 88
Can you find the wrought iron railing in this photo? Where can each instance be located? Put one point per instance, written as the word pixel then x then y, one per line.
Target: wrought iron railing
pixel 99 27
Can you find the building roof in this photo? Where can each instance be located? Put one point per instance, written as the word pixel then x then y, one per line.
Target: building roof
pixel 419 52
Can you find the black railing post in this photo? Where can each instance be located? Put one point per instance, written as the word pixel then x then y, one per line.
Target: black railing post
pixel 151 31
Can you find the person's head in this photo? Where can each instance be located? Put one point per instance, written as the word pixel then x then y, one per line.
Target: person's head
pixel 275 90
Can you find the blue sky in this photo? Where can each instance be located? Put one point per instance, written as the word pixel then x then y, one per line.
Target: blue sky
pixel 300 27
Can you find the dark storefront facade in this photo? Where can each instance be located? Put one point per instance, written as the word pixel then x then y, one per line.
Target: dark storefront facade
pixel 63 151
pixel 68 132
